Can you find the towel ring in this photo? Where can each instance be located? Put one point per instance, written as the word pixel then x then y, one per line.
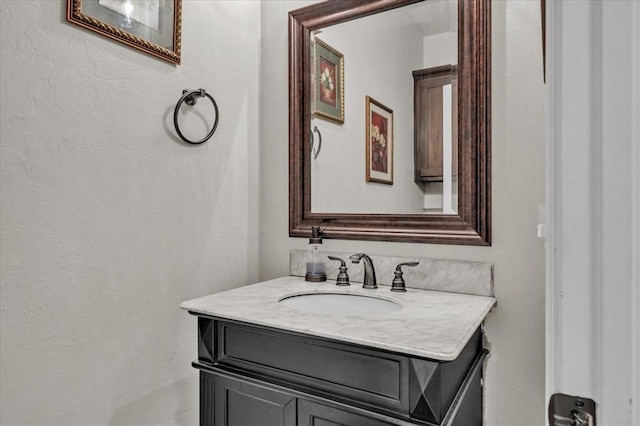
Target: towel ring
pixel 190 97
pixel 317 151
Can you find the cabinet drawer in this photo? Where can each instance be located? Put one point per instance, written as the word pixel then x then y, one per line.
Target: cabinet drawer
pixel 337 369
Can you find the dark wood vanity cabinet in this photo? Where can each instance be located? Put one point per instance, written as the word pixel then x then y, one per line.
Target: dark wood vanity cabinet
pixel 428 122
pixel 254 375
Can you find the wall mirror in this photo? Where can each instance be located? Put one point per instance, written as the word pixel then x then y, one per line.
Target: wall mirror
pixel 399 90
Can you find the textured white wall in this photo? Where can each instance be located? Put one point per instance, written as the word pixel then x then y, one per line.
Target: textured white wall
pixel 440 49
pixel 109 222
pixel 515 372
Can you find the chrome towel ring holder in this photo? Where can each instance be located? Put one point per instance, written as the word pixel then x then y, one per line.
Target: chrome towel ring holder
pixel 190 97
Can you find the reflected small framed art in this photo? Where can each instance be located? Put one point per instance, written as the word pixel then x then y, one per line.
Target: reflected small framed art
pixel 328 82
pixel 379 142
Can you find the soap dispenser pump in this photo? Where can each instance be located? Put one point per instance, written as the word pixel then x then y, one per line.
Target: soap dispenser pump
pixel 315 264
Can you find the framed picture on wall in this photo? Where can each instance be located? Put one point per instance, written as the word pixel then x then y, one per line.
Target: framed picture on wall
pixel 379 142
pixel 152 26
pixel 327 82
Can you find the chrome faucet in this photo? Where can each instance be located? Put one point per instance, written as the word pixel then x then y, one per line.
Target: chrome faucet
pixel 369 271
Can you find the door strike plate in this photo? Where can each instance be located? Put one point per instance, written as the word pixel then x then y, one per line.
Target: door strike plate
pixel 567 410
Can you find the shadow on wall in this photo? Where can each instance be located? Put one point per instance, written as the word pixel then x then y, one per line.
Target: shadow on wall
pixel 175 403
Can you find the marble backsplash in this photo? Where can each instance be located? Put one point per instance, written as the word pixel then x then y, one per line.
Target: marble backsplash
pixel 454 276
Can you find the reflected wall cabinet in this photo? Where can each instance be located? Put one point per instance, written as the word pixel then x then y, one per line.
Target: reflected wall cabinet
pixel 430 88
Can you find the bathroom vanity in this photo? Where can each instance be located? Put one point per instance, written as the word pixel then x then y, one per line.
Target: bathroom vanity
pixel 264 362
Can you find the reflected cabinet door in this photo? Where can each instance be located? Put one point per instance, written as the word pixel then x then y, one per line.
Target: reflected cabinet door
pixel 435 88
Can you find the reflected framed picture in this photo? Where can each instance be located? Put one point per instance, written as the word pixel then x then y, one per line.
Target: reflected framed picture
pixel 327 82
pixel 379 142
pixel 152 26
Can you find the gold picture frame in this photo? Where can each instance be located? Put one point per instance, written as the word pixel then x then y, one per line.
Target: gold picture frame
pixel 328 82
pixel 152 26
pixel 379 142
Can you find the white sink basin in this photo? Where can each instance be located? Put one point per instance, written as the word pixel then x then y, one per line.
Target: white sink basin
pixel 340 304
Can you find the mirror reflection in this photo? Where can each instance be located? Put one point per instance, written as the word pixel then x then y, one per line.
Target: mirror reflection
pixel 384 109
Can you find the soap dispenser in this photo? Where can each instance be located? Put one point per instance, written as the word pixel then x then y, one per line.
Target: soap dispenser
pixel 315 258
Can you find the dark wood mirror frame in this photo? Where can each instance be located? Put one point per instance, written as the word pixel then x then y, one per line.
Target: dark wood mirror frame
pixel 472 224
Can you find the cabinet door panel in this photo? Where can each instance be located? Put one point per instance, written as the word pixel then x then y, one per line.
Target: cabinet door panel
pixel 322 422
pixel 313 414
pixel 238 403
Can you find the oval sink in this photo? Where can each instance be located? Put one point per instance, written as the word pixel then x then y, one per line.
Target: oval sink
pixel 340 304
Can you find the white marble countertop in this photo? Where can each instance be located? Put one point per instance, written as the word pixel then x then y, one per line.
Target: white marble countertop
pixel 430 324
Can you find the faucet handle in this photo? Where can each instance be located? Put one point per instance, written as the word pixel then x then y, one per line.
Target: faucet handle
pixel 343 277
pixel 398 281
